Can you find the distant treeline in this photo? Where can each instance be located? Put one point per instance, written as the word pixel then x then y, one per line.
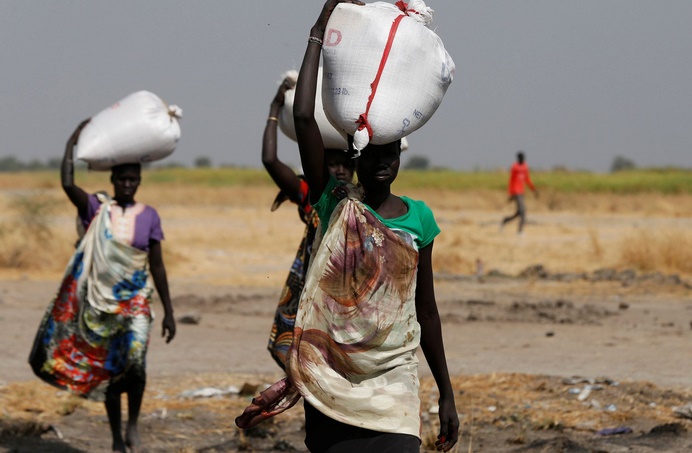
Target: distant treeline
pixel 412 162
pixel 559 180
pixel 11 163
pixel 663 181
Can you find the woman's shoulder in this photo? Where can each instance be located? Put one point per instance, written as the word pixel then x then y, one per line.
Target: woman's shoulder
pixel 149 208
pixel 416 206
pixel 421 220
pixel 151 221
pixel 150 212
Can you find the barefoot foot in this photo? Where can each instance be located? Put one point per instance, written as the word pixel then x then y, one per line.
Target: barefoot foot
pixel 132 438
pixel 119 447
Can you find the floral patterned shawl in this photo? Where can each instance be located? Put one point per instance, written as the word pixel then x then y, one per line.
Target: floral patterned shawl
pixel 98 325
pixel 356 334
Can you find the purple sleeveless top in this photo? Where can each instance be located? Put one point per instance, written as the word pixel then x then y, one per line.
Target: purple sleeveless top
pixel 137 224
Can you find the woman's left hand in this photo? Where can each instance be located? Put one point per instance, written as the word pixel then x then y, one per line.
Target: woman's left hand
pixel 327 10
pixel 286 85
pixel 449 425
pixel 168 328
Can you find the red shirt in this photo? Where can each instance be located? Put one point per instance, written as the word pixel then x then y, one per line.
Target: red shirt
pixel 303 201
pixel 519 176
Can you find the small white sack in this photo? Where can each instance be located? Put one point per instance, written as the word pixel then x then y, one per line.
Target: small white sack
pixel 411 84
pixel 331 138
pixel 139 128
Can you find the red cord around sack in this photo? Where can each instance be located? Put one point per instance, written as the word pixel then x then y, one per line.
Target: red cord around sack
pixel 404 7
pixel 363 117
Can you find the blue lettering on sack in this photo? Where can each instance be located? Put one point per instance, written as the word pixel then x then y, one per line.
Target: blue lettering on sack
pixel 405 124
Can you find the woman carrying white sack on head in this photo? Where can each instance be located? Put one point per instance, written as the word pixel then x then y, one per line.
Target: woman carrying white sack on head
pixel 94 336
pixel 368 303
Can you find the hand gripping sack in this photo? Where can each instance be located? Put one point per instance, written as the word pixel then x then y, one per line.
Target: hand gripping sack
pixel 139 128
pixel 385 72
pixel 331 138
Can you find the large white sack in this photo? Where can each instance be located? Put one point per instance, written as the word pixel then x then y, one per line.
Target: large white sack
pixel 331 138
pixel 139 128
pixel 413 79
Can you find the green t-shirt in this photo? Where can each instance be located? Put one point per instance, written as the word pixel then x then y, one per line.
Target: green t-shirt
pixel 419 221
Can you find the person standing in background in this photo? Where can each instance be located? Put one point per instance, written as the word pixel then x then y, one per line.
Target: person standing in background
pixel 518 177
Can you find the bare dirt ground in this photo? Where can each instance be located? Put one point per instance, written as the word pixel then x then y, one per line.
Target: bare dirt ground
pixel 543 359
pixel 511 342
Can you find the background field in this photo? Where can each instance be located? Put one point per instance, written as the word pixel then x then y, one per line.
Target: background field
pixel 618 315
pixel 219 228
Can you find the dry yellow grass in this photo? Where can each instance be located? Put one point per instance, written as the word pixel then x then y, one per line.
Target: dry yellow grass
pixel 27 233
pixel 655 250
pixel 228 235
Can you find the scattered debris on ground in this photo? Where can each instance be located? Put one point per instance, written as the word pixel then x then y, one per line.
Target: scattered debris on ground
pixel 503 412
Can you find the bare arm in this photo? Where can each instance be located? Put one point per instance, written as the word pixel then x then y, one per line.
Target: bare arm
pixel 76 194
pixel 530 183
pixel 284 177
pixel 433 349
pixel 158 272
pixel 307 131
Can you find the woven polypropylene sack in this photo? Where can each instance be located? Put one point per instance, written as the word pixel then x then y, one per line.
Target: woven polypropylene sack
pixel 331 138
pixel 139 128
pixel 410 83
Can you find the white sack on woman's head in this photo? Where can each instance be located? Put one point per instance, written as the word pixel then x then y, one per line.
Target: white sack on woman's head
pixel 385 73
pixel 331 138
pixel 139 128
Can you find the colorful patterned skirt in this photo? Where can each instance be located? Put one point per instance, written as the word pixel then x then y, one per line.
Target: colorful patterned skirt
pixel 281 335
pixel 96 330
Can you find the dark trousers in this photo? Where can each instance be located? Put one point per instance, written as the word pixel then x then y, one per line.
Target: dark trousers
pixel 325 435
pixel 521 212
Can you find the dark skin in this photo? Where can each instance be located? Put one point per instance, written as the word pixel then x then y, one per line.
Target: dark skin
pixel 377 168
pixel 339 164
pixel 125 180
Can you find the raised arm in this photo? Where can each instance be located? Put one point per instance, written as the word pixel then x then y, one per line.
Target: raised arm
pixel 307 131
pixel 284 177
pixel 158 273
pixel 433 349
pixel 76 194
pixel 530 183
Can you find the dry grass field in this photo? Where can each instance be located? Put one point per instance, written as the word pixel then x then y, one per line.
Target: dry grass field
pixel 612 302
pixel 221 231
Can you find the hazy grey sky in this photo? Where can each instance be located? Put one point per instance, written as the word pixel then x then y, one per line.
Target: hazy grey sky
pixel 571 82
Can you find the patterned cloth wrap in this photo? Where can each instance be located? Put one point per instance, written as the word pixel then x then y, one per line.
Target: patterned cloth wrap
pixel 281 335
pixel 356 333
pixel 98 325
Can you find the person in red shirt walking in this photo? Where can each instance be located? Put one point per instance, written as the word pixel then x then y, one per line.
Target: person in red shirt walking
pixel 518 177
